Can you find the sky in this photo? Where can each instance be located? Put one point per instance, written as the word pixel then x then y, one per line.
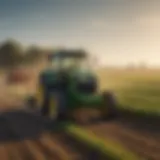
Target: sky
pixel 118 32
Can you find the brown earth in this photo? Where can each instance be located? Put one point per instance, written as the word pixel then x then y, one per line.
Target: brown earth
pixel 26 136
pixel 28 131
pixel 141 143
pixel 140 135
pixel 22 135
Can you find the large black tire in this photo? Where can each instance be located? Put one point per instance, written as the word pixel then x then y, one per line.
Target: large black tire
pixel 45 110
pixel 45 106
pixel 31 102
pixel 110 110
pixel 62 115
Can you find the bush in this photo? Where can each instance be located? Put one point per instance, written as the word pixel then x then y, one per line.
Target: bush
pixel 11 53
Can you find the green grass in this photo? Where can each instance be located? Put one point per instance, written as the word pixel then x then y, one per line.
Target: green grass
pixel 111 150
pixel 134 90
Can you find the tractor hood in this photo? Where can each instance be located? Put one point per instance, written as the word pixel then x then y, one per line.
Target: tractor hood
pixel 83 75
pixel 83 82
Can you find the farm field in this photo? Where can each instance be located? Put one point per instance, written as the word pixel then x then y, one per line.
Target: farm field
pixel 138 95
pixel 135 90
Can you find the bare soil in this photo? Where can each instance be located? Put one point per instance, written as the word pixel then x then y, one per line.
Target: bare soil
pixel 27 136
pixel 23 135
pixel 143 143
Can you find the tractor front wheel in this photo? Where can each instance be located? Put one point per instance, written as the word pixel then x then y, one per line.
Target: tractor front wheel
pixel 110 110
pixel 31 102
pixel 45 110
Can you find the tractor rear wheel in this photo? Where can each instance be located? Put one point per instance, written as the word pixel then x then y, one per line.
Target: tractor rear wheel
pixel 45 107
pixel 62 112
pixel 31 102
pixel 110 110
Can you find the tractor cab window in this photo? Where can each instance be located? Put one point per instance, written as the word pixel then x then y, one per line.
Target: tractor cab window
pixel 55 64
pixel 70 62
pixel 83 66
pixel 62 63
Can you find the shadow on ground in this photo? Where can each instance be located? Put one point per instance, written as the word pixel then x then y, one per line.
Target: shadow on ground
pixel 20 124
pixel 139 120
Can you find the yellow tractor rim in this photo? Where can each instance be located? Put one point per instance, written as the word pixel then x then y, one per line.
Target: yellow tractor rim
pixel 53 107
pixel 40 96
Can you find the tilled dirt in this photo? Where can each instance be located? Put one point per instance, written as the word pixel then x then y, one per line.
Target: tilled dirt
pixel 140 135
pixel 144 144
pixel 40 149
pixel 24 136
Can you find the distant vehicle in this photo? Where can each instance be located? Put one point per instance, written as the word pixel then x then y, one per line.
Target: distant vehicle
pixel 18 75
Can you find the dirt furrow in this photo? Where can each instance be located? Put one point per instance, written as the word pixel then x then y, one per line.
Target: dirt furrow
pixel 74 151
pixel 3 152
pixel 25 137
pixel 34 151
pixel 145 147
pixel 13 151
pixel 51 148
pixel 62 147
pixel 47 145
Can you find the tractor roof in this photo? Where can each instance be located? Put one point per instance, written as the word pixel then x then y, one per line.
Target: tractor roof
pixel 70 54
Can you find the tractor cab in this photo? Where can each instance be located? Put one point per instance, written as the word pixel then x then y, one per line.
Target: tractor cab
pixel 71 66
pixel 70 60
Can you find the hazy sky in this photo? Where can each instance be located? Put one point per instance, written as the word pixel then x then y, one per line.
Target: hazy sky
pixel 120 31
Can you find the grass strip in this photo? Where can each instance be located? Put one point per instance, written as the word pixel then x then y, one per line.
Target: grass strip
pixel 109 149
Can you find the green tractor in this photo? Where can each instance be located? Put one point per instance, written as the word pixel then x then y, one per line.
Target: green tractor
pixel 69 84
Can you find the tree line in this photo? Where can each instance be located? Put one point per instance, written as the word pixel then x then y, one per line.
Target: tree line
pixel 12 53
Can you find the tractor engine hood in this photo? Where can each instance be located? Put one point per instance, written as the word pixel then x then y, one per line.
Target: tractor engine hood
pixel 84 76
pixel 85 82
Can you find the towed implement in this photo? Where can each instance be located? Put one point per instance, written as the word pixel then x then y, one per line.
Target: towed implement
pixel 69 84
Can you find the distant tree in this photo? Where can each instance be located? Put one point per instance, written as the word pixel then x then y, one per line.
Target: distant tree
pixel 131 66
pixel 142 65
pixel 33 54
pixel 10 53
